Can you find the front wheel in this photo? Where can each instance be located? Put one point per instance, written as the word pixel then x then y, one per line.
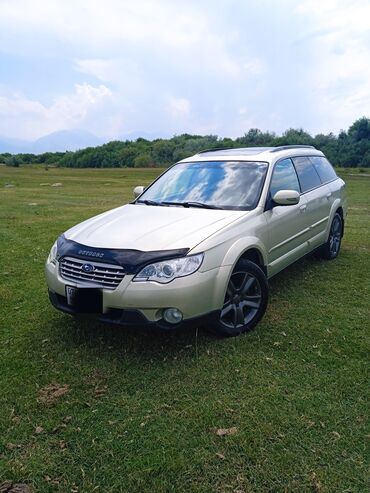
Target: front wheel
pixel 245 300
pixel 330 250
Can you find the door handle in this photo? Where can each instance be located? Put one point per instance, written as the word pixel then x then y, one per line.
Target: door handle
pixel 303 208
pixel 328 195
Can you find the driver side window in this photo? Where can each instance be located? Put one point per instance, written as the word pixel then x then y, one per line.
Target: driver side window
pixel 284 177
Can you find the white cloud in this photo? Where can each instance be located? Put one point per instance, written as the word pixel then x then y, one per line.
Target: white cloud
pixel 140 48
pixel 184 66
pixel 88 22
pixel 176 32
pixel 13 107
pixel 254 66
pixel 339 15
pixel 179 107
pixel 31 119
pixel 75 107
pixel 339 77
pixel 98 67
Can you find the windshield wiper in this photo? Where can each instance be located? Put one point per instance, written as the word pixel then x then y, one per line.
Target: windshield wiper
pixel 191 204
pixel 148 202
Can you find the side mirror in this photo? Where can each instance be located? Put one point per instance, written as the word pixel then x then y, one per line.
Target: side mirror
pixel 138 191
pixel 286 197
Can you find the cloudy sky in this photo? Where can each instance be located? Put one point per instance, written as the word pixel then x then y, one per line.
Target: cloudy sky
pixel 163 67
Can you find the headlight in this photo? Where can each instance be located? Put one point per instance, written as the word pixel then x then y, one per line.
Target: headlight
pixel 168 270
pixel 53 253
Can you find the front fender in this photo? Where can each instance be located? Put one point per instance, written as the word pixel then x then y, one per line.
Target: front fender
pixel 230 259
pixel 241 246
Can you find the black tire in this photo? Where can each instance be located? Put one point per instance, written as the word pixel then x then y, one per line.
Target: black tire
pixel 245 301
pixel 330 250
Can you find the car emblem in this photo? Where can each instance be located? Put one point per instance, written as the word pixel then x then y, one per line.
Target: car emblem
pixel 88 268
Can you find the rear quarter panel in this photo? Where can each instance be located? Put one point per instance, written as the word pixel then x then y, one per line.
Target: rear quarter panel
pixel 339 199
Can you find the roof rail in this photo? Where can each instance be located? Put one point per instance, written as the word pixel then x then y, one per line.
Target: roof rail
pixel 282 148
pixel 215 149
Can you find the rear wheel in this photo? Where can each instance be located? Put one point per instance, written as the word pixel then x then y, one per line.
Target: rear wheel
pixel 245 300
pixel 330 250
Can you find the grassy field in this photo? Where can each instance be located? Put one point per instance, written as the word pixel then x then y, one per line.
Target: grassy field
pixel 92 408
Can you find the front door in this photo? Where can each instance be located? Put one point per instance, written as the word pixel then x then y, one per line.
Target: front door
pixel 288 225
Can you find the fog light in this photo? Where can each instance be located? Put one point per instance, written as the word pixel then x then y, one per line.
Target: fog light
pixel 172 315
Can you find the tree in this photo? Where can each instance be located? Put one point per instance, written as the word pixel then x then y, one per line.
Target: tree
pixel 13 161
pixel 294 136
pixel 127 156
pixel 360 129
pixel 162 152
pixel 143 161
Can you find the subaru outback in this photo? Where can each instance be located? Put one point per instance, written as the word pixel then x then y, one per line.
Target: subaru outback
pixel 198 245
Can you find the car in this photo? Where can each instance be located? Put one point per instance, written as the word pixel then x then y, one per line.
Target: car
pixel 198 245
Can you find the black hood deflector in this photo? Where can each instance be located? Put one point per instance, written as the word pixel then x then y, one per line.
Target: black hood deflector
pixel 132 261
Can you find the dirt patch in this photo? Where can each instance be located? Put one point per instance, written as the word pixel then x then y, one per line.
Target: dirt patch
pixel 10 487
pixel 226 431
pixel 52 392
pixel 97 380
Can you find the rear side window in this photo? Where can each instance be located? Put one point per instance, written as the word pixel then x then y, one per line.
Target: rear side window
pixel 324 168
pixel 307 175
pixel 284 177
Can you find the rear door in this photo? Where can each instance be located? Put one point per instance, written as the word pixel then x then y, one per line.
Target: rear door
pixel 288 225
pixel 328 176
pixel 318 197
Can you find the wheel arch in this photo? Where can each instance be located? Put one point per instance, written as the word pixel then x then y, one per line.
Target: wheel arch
pixel 341 213
pixel 336 208
pixel 245 248
pixel 254 255
pixel 250 248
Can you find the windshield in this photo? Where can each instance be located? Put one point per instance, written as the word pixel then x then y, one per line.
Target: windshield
pixel 213 184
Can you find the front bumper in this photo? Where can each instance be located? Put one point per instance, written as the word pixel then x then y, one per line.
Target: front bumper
pixel 135 318
pixel 198 296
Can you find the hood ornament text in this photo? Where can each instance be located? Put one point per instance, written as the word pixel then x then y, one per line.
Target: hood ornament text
pixel 89 253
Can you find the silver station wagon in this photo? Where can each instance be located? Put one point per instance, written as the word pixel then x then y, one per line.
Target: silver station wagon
pixel 197 246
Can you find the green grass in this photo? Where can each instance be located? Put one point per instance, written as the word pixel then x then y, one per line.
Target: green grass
pixel 142 407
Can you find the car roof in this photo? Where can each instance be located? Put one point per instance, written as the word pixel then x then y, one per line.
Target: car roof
pixel 267 154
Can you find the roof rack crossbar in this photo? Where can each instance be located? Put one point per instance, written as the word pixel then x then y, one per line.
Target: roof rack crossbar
pixel 282 148
pixel 215 149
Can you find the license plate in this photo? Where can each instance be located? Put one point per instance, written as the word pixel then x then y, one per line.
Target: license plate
pixel 84 300
pixel 71 294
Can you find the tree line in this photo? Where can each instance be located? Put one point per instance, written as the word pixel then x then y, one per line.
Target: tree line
pixel 349 148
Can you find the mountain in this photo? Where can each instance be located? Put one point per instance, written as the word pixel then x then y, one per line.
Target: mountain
pixel 62 140
pixel 65 140
pixel 13 146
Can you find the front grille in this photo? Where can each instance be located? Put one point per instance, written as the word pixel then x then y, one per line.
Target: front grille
pixel 102 275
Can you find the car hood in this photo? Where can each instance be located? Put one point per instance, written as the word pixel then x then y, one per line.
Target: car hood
pixel 149 228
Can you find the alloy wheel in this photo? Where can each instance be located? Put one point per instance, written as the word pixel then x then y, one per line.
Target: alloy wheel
pixel 335 235
pixel 242 301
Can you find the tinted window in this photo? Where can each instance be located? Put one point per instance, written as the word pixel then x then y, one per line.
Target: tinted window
pixel 284 177
pixel 324 168
pixel 222 184
pixel 307 175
